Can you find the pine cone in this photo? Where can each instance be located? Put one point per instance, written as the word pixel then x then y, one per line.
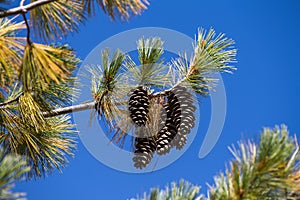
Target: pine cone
pixel 144 150
pixel 182 114
pixel 186 115
pixel 139 105
pixel 179 141
pixel 167 133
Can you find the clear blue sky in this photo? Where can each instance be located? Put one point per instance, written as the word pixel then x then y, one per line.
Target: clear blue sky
pixel 264 91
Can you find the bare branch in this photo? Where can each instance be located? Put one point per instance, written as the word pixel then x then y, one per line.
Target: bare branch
pixel 292 159
pixel 24 9
pixel 70 109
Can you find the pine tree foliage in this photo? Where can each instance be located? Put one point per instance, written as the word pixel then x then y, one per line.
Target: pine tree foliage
pixel 10 52
pixel 45 83
pixel 182 191
pixel 56 19
pixel 45 78
pixel 43 64
pixel 268 169
pixel 43 145
pixel 150 71
pixel 37 78
pixel 105 88
pixel 12 168
pixel 212 53
pixel 117 8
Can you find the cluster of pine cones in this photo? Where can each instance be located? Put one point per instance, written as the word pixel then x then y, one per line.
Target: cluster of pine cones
pixel 176 121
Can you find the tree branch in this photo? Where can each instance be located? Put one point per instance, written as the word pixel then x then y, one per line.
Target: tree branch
pixel 24 9
pixel 73 108
pixel 11 101
pixel 28 28
pixel 70 109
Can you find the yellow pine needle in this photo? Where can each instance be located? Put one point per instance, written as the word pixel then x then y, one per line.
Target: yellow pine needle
pixel 31 112
pixel 43 64
pixel 10 47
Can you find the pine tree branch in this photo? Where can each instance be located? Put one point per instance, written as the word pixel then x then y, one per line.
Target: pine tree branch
pixel 296 152
pixel 58 111
pixel 11 101
pixel 24 9
pixel 70 109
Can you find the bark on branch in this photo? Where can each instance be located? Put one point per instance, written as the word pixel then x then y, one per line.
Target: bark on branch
pixel 24 9
pixel 70 109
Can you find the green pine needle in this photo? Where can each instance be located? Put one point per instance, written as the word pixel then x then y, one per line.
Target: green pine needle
pixel 269 169
pixel 12 169
pixel 104 83
pixel 182 191
pixel 212 53
pixel 151 71
pixel 150 50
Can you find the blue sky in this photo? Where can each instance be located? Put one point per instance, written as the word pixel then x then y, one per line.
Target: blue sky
pixel 264 91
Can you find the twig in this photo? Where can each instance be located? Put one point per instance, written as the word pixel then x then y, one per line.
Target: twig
pixel 28 28
pixel 24 9
pixel 25 20
pixel 11 101
pixel 292 159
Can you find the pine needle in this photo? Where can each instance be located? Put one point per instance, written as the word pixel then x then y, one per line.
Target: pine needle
pixel 117 8
pixel 56 19
pixel 10 50
pixel 44 64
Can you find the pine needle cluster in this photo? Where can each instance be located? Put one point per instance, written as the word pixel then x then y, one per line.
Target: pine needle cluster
pixel 134 91
pixel 37 77
pixel 12 168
